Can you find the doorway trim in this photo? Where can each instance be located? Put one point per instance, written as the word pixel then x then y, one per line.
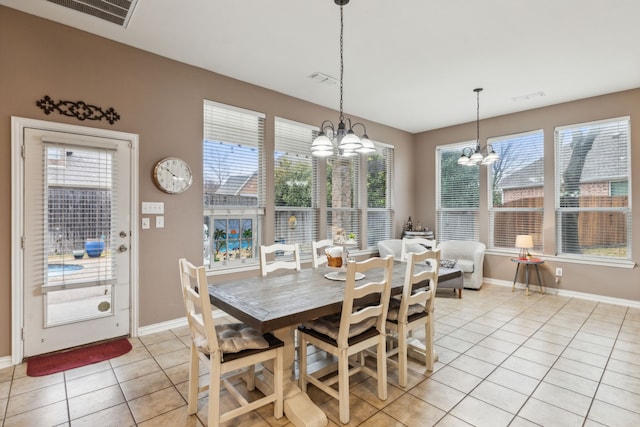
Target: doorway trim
pixel 18 125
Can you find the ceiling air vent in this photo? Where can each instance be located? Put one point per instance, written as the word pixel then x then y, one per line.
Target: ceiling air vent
pixel 115 11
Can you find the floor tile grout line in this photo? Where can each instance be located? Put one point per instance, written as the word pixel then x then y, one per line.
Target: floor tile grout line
pixel 530 396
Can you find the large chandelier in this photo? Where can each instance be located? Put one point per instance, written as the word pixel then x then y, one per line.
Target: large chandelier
pixel 343 136
pixel 480 155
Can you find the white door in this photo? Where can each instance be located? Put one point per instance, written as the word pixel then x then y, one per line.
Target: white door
pixel 76 240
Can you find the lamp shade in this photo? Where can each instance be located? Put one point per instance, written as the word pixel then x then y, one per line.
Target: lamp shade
pixel 524 241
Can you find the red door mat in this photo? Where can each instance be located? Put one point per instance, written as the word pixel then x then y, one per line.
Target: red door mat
pixel 61 361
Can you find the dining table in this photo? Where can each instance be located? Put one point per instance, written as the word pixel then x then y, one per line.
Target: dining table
pixel 278 303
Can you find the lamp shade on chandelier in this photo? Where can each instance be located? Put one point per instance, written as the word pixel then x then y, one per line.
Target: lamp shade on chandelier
pixel 343 136
pixel 478 155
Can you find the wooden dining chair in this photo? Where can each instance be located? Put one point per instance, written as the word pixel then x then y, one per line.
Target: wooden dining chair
pixel 349 333
pixel 284 256
pixel 413 310
pixel 230 350
pixel 318 259
pixel 415 244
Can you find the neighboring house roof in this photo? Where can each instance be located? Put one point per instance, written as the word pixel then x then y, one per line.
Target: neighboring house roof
pixel 603 163
pixel 236 185
pixel 79 168
pixel 528 176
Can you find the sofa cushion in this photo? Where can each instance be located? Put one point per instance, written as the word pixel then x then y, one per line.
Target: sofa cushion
pixel 390 247
pixel 465 265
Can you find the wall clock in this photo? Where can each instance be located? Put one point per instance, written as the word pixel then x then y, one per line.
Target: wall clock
pixel 172 175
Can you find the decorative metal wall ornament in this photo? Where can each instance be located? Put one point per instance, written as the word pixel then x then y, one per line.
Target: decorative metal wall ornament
pixel 78 109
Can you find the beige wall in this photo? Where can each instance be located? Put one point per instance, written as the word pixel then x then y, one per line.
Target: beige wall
pixel 599 280
pixel 161 101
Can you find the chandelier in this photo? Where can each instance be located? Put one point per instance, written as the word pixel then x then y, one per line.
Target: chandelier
pixel 348 143
pixel 480 155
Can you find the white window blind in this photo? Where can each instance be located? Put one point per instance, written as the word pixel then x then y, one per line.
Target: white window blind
pixel 296 208
pixel 79 185
pixel 343 196
pixel 516 189
pixel 593 187
pixel 458 195
pixel 234 185
pixel 379 195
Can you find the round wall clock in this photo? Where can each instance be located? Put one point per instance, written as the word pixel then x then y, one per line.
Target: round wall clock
pixel 172 175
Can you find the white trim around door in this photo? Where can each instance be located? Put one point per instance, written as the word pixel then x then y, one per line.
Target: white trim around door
pixel 18 126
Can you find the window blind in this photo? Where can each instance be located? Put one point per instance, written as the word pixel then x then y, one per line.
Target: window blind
pixel 79 190
pixel 233 184
pixel 593 187
pixel 296 210
pixel 458 195
pixel 379 195
pixel 516 189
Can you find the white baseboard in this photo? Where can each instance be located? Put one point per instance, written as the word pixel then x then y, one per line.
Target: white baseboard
pixel 5 362
pixel 172 324
pixel 569 294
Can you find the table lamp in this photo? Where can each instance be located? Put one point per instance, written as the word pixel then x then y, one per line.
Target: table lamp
pixel 524 242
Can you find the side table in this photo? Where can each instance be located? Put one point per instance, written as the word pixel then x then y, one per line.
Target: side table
pixel 535 262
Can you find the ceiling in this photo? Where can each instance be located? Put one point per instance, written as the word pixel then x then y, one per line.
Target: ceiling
pixel 410 64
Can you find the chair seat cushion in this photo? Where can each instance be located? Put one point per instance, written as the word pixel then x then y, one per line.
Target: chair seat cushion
pixel 233 338
pixel 330 325
pixel 465 265
pixel 394 309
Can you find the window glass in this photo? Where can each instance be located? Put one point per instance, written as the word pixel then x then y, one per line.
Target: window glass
pixel 379 196
pixel 233 185
pixel 458 195
pixel 516 189
pixel 296 212
pixel 593 214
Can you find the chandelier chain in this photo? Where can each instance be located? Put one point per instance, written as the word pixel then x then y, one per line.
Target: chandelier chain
pixel 478 117
pixel 341 60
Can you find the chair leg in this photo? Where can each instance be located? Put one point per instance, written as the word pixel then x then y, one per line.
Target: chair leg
pixel 402 354
pixel 194 380
pixel 382 368
pixel 302 363
pixel 214 393
pixel 428 344
pixel 343 387
pixel 278 374
pixel 250 378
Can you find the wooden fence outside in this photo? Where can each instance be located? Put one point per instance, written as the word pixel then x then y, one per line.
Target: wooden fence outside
pixel 595 228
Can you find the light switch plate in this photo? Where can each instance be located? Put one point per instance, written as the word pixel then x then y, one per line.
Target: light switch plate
pixel 160 221
pixel 153 208
pixel 145 223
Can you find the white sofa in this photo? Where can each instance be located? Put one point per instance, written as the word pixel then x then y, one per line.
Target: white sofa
pixel 469 258
pixel 394 247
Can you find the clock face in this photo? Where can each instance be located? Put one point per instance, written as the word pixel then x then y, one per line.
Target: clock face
pixel 172 175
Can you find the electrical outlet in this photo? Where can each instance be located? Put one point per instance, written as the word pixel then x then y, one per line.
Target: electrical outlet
pixel 558 271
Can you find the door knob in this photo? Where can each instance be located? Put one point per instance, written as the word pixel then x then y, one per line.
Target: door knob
pixel 123 234
pixel 122 248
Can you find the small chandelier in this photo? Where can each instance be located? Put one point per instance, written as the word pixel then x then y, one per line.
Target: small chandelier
pixel 348 143
pixel 480 155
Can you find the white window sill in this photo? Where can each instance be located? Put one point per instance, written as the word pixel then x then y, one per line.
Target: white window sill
pixel 569 259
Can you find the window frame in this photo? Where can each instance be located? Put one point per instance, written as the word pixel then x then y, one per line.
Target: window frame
pixel 442 212
pixel 232 212
pixel 292 213
pixel 558 194
pixel 526 215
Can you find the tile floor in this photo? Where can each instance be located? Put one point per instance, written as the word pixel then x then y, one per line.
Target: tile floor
pixel 505 359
